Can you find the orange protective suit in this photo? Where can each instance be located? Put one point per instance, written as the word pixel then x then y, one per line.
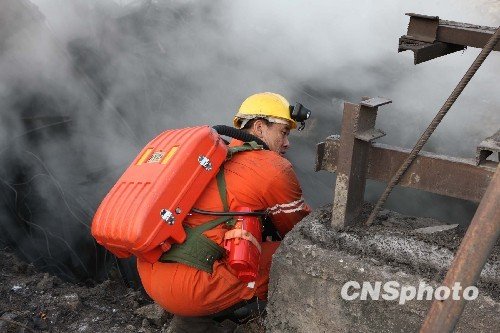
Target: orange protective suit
pixel 259 180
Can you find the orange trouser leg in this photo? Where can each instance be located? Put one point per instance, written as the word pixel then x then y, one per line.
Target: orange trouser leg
pixel 186 291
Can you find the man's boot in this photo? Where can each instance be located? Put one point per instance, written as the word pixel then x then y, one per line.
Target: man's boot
pixel 181 324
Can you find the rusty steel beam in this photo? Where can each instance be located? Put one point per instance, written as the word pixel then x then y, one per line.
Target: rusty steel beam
pixel 429 37
pixel 487 147
pixel 469 260
pixel 423 51
pixel 465 34
pixel 423 27
pixel 453 177
pixel 358 123
pixel 350 183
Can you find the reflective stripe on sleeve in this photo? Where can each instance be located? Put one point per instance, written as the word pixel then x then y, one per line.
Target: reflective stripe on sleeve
pixel 287 208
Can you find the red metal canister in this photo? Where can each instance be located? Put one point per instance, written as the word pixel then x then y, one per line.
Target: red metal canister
pixel 243 245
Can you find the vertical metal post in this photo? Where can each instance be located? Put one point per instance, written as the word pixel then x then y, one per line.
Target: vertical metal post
pixel 469 261
pixel 357 131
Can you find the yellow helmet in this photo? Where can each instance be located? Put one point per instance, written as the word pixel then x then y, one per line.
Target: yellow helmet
pixel 267 105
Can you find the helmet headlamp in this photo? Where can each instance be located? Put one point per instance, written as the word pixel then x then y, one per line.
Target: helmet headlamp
pixel 300 114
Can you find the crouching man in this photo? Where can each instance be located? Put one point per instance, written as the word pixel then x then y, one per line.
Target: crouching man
pixel 261 180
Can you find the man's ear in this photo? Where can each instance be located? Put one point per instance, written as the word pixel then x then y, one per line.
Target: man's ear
pixel 258 128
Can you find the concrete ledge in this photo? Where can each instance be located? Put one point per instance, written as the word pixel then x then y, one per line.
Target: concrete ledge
pixel 314 262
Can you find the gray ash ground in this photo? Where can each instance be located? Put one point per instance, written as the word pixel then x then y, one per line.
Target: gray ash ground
pixel 42 302
pixel 34 301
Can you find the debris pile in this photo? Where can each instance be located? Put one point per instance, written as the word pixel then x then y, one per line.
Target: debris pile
pixel 40 302
pixel 33 301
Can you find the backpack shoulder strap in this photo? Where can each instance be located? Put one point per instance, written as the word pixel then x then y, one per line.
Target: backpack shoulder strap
pixel 221 185
pixel 247 146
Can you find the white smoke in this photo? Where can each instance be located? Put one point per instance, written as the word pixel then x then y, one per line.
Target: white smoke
pixel 226 50
pixel 123 71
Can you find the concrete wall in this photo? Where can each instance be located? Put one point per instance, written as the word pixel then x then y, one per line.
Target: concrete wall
pixel 313 263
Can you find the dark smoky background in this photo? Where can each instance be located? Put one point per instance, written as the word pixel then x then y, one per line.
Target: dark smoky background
pixel 84 85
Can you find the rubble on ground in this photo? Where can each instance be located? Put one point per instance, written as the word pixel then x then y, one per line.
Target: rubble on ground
pixel 34 301
pixel 44 303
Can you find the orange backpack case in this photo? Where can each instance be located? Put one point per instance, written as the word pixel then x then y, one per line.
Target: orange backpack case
pixel 143 213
